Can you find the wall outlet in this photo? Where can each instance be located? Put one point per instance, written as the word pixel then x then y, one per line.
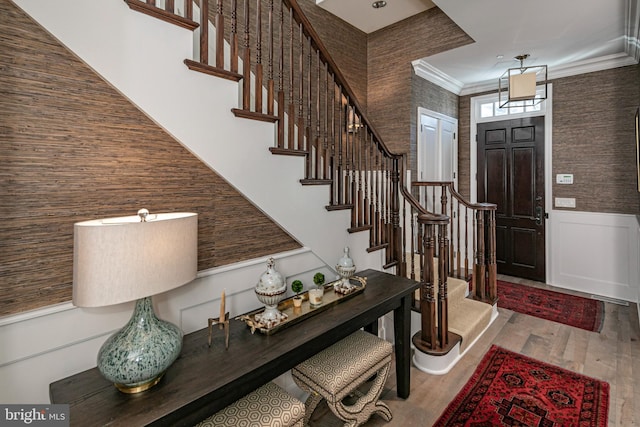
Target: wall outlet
pixel 565 202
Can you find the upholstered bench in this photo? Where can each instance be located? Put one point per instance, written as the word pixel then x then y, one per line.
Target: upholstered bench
pixel 336 372
pixel 268 406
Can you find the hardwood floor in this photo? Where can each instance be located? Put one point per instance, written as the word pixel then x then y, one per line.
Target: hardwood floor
pixel 613 355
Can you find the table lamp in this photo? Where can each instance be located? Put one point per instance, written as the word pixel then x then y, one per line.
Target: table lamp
pixel 116 260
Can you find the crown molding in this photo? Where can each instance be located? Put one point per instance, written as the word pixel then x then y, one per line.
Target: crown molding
pixel 436 76
pixel 630 56
pixel 590 65
pixel 632 29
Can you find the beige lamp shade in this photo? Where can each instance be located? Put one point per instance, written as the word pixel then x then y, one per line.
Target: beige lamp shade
pixel 117 260
pixel 522 86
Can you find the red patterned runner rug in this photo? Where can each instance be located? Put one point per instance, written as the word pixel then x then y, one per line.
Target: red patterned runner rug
pixel 571 310
pixel 509 389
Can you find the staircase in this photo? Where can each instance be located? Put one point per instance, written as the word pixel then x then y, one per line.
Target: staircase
pixel 468 318
pixel 321 134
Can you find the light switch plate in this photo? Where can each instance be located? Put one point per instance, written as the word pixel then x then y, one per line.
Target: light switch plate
pixel 565 202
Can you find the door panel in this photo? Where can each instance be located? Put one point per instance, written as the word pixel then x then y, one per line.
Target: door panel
pixel 511 175
pixel 447 150
pixel 495 136
pixel 501 245
pixel 523 178
pixel 523 240
pixel 496 179
pixel 429 149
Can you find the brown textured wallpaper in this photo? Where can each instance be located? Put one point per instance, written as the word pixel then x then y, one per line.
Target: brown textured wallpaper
pixel 72 148
pixel 593 138
pixel 390 53
pixel 464 111
pixel 346 44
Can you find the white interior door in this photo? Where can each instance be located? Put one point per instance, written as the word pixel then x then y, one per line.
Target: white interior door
pixel 437 149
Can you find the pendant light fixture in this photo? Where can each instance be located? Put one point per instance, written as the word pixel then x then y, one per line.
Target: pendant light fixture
pixel 523 86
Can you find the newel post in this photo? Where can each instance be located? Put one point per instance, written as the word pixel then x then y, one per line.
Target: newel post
pixel 492 266
pixel 396 238
pixel 443 291
pixel 434 335
pixel 478 279
pixel 485 270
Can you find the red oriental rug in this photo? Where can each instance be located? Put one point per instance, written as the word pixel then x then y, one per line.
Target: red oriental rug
pixel 571 310
pixel 509 389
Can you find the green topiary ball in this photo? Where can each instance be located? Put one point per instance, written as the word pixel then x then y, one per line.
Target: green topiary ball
pixel 318 279
pixel 297 286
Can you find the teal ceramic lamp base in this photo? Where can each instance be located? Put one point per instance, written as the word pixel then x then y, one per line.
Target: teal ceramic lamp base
pixel 136 357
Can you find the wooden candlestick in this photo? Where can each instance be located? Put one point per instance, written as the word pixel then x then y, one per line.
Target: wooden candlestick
pixel 223 325
pixel 222 312
pixel 222 321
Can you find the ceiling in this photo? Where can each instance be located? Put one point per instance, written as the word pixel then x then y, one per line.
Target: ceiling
pixel 570 36
pixel 362 15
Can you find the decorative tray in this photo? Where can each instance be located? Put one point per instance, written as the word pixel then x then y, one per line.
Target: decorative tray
pixel 298 314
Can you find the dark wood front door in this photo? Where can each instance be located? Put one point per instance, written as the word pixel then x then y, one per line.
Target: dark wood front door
pixel 511 175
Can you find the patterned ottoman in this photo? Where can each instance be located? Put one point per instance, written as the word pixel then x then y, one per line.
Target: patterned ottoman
pixel 268 406
pixel 337 371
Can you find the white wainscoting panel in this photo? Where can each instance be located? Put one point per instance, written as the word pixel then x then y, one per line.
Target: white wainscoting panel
pixel 43 346
pixel 596 253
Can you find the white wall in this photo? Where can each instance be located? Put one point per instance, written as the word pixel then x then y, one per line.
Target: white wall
pixel 595 253
pixel 138 55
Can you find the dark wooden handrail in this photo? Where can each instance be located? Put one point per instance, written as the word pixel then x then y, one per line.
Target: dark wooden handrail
pixel 454 193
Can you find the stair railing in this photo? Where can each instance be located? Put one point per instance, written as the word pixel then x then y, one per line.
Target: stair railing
pixel 425 237
pixel 472 235
pixel 301 89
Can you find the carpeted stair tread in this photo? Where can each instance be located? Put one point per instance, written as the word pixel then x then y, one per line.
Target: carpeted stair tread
pixel 457 288
pixel 457 291
pixel 467 317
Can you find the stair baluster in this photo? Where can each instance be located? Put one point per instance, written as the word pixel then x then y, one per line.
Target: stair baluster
pixel 204 33
pixel 246 60
pixel 233 38
pixel 219 26
pixel 259 71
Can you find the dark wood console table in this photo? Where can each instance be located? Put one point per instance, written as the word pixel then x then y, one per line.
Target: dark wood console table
pixel 206 379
